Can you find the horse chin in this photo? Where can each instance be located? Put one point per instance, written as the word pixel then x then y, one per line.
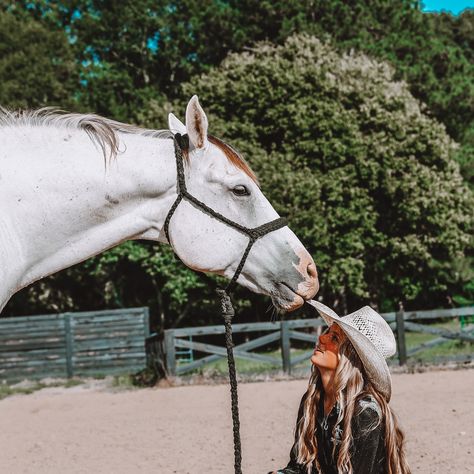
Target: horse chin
pixel 288 304
pixel 284 298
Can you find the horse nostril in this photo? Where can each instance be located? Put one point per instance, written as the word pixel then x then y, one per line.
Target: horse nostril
pixel 308 285
pixel 312 272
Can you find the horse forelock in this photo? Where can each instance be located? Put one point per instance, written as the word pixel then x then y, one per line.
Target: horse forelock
pixel 234 157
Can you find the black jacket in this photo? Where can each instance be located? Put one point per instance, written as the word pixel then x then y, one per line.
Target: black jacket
pixel 367 452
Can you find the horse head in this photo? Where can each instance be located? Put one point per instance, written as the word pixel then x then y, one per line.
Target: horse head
pixel 278 265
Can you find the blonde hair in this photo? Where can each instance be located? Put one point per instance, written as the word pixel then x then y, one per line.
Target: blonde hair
pixel 350 385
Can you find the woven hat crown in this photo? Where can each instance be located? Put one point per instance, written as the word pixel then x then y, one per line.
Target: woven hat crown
pixel 369 323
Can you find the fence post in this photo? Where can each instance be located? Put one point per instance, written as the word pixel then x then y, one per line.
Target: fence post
pixel 401 342
pixel 285 347
pixel 170 352
pixel 69 344
pixel 146 321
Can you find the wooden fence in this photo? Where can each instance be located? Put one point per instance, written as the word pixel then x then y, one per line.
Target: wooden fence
pixel 68 344
pixel 286 331
pixel 401 322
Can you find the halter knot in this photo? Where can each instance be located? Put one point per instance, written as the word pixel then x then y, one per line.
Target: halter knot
pixel 183 140
pixel 227 309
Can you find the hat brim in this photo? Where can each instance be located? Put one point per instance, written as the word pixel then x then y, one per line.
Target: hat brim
pixel 373 361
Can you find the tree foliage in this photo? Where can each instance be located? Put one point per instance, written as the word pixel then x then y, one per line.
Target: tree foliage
pixel 367 178
pixel 37 67
pixel 130 50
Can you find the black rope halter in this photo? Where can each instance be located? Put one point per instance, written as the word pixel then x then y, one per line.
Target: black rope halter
pixel 181 142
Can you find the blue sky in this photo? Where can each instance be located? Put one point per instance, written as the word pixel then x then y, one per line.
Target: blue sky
pixel 453 6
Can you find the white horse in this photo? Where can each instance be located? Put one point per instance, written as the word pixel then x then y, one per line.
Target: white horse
pixel 59 205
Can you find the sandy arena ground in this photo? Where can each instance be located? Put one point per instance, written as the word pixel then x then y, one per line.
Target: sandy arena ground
pixel 187 429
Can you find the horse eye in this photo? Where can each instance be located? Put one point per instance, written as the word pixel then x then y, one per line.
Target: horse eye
pixel 241 190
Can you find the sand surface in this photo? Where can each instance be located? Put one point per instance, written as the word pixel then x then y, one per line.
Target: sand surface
pixel 187 429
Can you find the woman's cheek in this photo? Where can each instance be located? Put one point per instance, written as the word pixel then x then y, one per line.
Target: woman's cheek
pixel 332 347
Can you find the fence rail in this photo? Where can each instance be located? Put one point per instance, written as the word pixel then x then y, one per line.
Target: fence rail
pixel 286 331
pixel 68 344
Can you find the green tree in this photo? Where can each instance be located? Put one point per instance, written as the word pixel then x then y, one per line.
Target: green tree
pixel 37 66
pixel 458 29
pixel 367 178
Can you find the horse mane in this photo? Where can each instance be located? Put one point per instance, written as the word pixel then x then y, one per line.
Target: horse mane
pixel 103 131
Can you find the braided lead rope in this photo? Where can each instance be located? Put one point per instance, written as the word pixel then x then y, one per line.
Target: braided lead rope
pixel 228 313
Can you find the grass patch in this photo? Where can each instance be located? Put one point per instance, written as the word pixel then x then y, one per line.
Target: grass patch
pixel 450 347
pixel 243 366
pixel 125 381
pixel 9 390
pixel 70 383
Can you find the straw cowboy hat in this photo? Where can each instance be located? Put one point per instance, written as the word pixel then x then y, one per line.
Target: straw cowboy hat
pixel 372 339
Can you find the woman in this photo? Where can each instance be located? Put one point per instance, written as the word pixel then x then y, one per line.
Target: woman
pixel 345 424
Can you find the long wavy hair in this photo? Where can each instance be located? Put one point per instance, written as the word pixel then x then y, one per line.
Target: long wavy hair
pixel 351 384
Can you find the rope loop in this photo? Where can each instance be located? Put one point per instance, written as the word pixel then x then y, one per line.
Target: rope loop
pixel 228 313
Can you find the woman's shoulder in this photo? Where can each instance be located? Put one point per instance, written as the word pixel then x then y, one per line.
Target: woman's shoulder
pixel 368 410
pixel 368 402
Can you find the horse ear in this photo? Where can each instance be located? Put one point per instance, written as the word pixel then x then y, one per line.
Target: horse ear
pixel 196 123
pixel 175 125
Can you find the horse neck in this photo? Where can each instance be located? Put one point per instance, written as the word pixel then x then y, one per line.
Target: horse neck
pixel 62 206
